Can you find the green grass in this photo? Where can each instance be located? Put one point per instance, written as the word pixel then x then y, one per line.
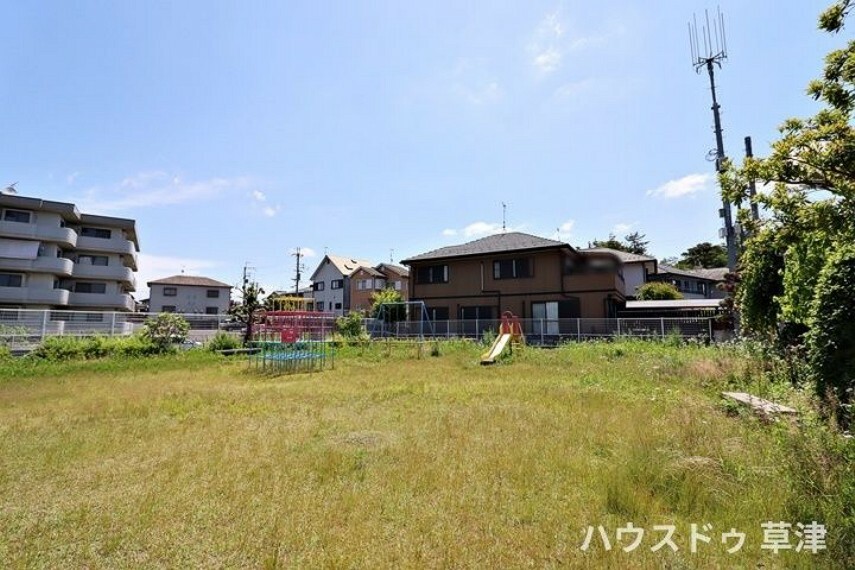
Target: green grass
pixel 390 460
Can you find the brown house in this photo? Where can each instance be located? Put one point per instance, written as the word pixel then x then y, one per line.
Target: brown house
pixel 528 275
pixel 365 281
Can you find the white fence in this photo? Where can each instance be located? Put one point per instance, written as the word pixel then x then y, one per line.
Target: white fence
pixel 23 327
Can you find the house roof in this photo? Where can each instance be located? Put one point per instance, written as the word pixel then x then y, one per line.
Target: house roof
pixel 714 274
pixel 370 271
pixel 191 280
pixel 498 243
pixel 401 271
pixel 345 265
pixel 624 256
pixel 675 304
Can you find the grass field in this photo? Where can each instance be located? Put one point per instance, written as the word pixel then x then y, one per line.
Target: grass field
pixel 392 461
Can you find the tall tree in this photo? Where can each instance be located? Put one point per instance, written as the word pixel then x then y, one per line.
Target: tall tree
pixel 246 311
pixel 612 243
pixel 636 243
pixel 811 221
pixel 704 255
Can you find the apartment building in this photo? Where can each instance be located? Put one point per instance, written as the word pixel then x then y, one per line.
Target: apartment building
pixel 52 256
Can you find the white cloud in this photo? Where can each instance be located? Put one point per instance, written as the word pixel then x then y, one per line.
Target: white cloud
pixel 473 82
pixel 686 186
pixel 548 60
pixel 308 252
pixel 270 211
pixel 449 232
pixel 153 267
pixel 548 46
pixel 259 195
pixel 71 178
pixel 565 230
pixel 623 227
pixel 573 88
pixel 478 230
pixel 156 188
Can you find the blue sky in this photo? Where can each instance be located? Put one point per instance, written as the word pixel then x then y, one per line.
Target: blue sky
pixel 234 132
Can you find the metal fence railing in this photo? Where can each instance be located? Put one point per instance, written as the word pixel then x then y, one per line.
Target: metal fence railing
pixel 28 326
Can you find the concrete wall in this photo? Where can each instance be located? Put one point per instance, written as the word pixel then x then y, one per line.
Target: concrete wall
pixel 188 298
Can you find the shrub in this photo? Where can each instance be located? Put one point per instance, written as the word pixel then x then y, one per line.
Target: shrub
pixel 166 329
pixel 5 353
pixel 350 325
pixel 60 348
pixel 831 340
pixel 223 341
pixel 657 291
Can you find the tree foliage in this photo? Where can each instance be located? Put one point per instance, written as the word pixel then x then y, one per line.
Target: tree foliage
pixel 392 312
pixel 704 254
pixel 166 329
pixel 635 243
pixel 247 310
pixel 797 266
pixel 657 291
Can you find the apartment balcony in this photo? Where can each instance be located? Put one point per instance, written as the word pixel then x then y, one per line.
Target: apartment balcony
pixel 113 245
pixel 32 296
pixel 58 266
pixel 110 301
pixel 119 273
pixel 65 237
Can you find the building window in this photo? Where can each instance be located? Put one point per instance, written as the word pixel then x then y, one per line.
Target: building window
pixel 96 233
pixel 336 283
pixel 476 312
pixel 11 280
pixel 438 313
pixel 397 285
pixel 94 317
pixel 338 306
pixel 88 287
pixel 213 293
pixel 432 274
pixel 101 260
pixel 319 286
pixel 211 310
pixel 512 268
pixel 168 309
pixel 320 305
pixel 19 216
pixel 170 291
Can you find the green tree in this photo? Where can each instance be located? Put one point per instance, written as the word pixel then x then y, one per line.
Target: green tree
pixel 392 312
pixel 636 243
pixel 657 291
pixel 612 243
pixel 704 255
pixel 798 256
pixel 247 310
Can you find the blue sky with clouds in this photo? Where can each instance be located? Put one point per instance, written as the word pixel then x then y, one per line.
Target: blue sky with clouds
pixel 237 131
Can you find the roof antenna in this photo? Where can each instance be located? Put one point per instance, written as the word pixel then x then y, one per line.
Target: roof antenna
pixel 504 216
pixel 10 189
pixel 391 255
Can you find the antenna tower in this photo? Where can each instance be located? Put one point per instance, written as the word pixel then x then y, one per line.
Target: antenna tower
pixel 709 50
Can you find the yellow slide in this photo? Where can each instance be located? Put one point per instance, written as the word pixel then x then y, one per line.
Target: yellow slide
pixel 499 345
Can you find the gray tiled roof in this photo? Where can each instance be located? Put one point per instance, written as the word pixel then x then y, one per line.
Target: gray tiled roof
pixel 713 274
pixel 622 255
pixel 189 280
pixel 498 243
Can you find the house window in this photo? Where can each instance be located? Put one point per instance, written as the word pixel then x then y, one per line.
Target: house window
pixel 213 293
pixel 101 260
pixel 320 306
pixel 170 291
pixel 512 268
pixel 477 312
pixel 95 233
pixel 94 317
pixel 319 286
pixel 397 285
pixel 432 274
pixel 336 283
pixel 211 310
pixel 11 280
pixel 88 287
pixel 19 216
pixel 168 309
pixel 338 306
pixel 438 313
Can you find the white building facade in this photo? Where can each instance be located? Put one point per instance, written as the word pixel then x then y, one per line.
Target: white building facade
pixel 189 294
pixel 52 256
pixel 331 283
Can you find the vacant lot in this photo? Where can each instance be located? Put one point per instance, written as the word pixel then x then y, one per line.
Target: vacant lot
pixel 392 461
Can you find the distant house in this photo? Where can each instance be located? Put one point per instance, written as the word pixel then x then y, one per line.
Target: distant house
pixel 301 300
pixel 694 283
pixel 637 269
pixel 365 281
pixel 331 282
pixel 189 294
pixel 529 275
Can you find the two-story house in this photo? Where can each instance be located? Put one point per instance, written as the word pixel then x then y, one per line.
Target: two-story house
pixel 532 277
pixel 189 294
pixel 52 256
pixel 331 283
pixel 694 283
pixel 365 281
pixel 637 269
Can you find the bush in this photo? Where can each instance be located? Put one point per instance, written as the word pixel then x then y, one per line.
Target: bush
pixel 223 341
pixel 61 348
pixel 657 291
pixel 831 340
pixel 166 329
pixel 5 353
pixel 350 325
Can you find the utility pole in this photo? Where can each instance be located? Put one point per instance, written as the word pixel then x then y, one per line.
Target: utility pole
pixel 752 186
pixel 713 54
pixel 504 216
pixel 298 254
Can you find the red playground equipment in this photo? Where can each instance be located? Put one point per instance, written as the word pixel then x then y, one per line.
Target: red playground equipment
pixel 292 326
